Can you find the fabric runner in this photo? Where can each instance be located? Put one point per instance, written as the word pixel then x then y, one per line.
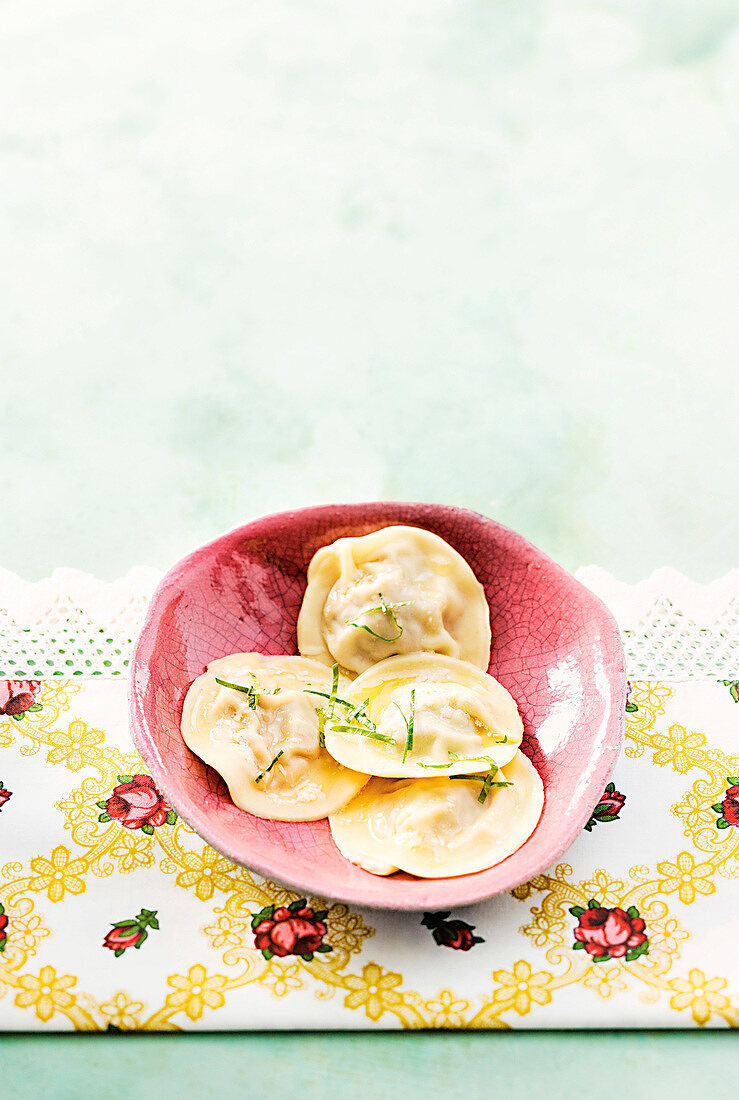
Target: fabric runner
pixel 116 915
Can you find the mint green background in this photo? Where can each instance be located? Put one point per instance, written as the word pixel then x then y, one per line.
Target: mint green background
pixel 257 256
pixel 637 1065
pixel 260 255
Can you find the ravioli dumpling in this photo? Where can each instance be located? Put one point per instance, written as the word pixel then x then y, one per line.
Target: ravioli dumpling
pixel 396 590
pixel 264 740
pixel 425 715
pixel 438 828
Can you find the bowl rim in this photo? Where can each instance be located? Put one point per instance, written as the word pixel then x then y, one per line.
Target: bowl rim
pixel 198 820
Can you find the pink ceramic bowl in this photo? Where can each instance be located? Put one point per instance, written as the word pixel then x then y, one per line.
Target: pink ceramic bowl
pixel 555 647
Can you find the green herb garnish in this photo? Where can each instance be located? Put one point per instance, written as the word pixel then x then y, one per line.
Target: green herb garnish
pixel 409 721
pixel 359 713
pixel 386 609
pixel 334 689
pixel 487 782
pixel 356 719
pixel 364 732
pixel 327 695
pixel 333 697
pixel 253 691
pixel 455 758
pixel 321 726
pixel 271 766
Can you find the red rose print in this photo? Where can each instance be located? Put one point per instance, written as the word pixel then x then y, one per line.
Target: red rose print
pixel 127 936
pixel 631 706
pixel 728 809
pixel 609 807
pixel 733 686
pixel 18 696
pixel 131 932
pixel 730 805
pixel 137 804
pixel 4 795
pixel 456 934
pixel 295 929
pixel 612 801
pixel 3 926
pixel 610 933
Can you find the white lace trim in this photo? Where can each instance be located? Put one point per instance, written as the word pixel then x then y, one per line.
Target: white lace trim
pixel 674 628
pixel 71 624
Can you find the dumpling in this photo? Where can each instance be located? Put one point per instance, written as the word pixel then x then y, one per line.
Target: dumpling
pixel 265 740
pixel 424 715
pixel 397 590
pixel 438 828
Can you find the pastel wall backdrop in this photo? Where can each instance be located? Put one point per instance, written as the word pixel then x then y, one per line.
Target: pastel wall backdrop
pixel 258 256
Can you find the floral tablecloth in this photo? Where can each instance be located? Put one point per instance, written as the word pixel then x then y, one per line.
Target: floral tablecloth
pixel 115 915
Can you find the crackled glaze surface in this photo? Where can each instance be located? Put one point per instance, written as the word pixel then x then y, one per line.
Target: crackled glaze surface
pixel 555 648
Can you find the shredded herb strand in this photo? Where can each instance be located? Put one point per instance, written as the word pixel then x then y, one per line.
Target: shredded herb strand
pixel 487 782
pixel 334 689
pixel 345 728
pixel 359 713
pixel 327 695
pixel 356 719
pixel 386 609
pixel 455 758
pixel 409 722
pixel 261 775
pixel 253 691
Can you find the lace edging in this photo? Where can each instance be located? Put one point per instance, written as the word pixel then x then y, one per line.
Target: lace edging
pixel 72 624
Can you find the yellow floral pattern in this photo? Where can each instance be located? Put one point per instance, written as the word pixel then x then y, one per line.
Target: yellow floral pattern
pixel 525 972
pixel 704 997
pixel 46 993
pixel 521 987
pixel 373 990
pixel 196 991
pixel 59 875
pixel 75 746
pixel 447 1009
pixel 281 978
pixel 687 877
pixel 122 1012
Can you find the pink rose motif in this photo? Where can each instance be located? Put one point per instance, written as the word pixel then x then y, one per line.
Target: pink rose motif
pixel 18 696
pixel 137 804
pixel 456 934
pixel 3 926
pixel 631 706
pixel 290 930
pixel 121 938
pixel 730 805
pixel 610 933
pixel 131 932
pixel 733 686
pixel 728 808
pixel 609 807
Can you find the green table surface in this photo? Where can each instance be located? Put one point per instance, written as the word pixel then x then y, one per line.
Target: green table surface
pixel 639 1065
pixel 264 255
